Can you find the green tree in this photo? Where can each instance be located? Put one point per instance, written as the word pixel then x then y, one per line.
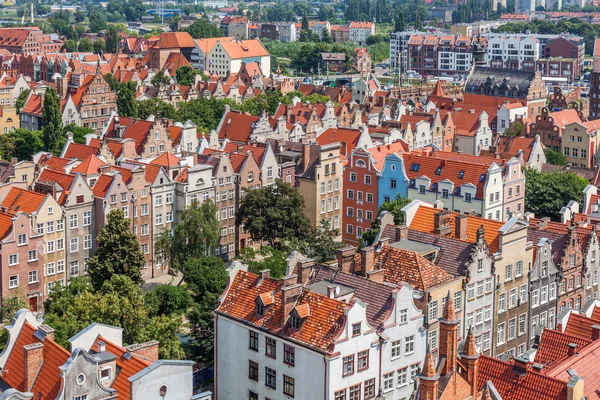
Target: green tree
pixel 322 243
pixel 157 107
pixel 79 16
pixel 555 157
pixel 273 212
pixel 547 192
pixel 517 128
pixel 22 99
pixel 205 113
pixel 78 132
pixel 196 235
pixel 167 300
pixel 267 258
pixel 52 121
pixel 203 28
pixel 395 208
pixel 126 103
pixel 99 46
pixel 399 22
pixel 7 147
pixel 326 37
pixel 185 75
pixel 70 46
pixel 112 39
pixel 10 306
pixel 118 252
pixel 85 45
pixel 26 143
pixel 205 276
pixel 160 79
pixel 304 25
pixel 166 329
pixel 207 279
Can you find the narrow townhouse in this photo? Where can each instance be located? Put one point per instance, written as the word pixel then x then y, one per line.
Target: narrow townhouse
pixel 512 259
pixel 247 177
pixel 77 203
pixel 458 256
pixel 225 201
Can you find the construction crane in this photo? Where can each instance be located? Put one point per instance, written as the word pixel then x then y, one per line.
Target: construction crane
pixel 25 13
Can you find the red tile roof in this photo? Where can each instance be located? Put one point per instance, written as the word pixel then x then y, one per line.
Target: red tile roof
pixel 349 137
pixel 136 129
pixel 128 364
pixel 318 330
pixel 237 126
pixel 173 40
pixel 580 326
pixel 79 151
pixel 167 160
pixel 48 381
pixel 515 386
pixel 89 166
pixel 33 105
pixel 18 200
pixel 424 219
pixel 64 180
pixel 554 346
pixel 102 185
pixel 5 225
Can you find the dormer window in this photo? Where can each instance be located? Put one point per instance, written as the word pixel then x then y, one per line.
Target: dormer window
pixel 298 314
pixel 260 308
pixel 263 301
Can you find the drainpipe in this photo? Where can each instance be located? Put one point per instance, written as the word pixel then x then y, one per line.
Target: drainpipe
pixel 381 341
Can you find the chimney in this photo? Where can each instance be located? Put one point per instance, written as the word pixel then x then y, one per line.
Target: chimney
pixel 289 295
pixel 441 223
pixel 147 350
pixel 572 349
pixel 345 257
pixel 543 224
pixel 595 332
pixel 344 148
pixel 461 222
pixel 33 359
pixel 104 168
pixel 305 156
pixel 401 232
pixel 46 331
pixel 304 269
pixel 331 289
pixel 520 365
pixel 265 274
pixel 101 346
pixel 367 260
pixel 14 160
pixel 377 275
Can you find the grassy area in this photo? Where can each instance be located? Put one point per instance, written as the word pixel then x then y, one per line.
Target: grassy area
pixel 384 28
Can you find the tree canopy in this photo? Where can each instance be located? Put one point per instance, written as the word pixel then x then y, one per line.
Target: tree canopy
pixel 555 157
pixel 203 28
pixel 126 103
pixel 52 121
pixel 547 192
pixel 395 208
pixel 117 252
pixel 273 212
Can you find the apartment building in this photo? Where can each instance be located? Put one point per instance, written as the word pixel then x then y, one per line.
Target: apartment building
pixel 434 55
pixel 399 46
pixel 360 31
pixel 29 40
pixel 225 201
pixel 513 52
pixel 290 331
pixel 247 178
pixel 226 57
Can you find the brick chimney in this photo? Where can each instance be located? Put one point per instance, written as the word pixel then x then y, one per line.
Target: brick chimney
pixel 367 260
pixel 304 269
pixel 147 350
pixel 265 274
pixel 441 223
pixel 543 224
pixel 46 331
pixel 305 156
pixel 595 332
pixel 345 257
pixel 572 348
pixel 401 232
pixel 289 295
pixel 33 359
pixel 461 222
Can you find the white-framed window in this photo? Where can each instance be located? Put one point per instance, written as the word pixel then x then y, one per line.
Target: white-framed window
pixel 388 382
pixel 87 218
pixel 32 255
pixel 50 246
pixel 457 300
pixel 403 316
pixel 60 225
pixel 433 311
pixel 522 324
pixel 73 221
pixel 50 227
pixel 13 281
pixel 145 248
pixel 74 268
pixel 501 302
pixel 158 219
pixel 543 295
pixel 13 259
pixel 487 313
pixel 106 374
pixel 74 245
pixel 489 285
pixel 396 348
pixel 512 298
pixel 512 329
pixel 144 193
pixel 552 291
pixel 50 268
pixel 60 244
pixel 60 266
pixel 409 345
pixel 22 239
pixel 123 197
pixel 433 340
pixel 508 272
pixel 144 229
pixel 500 336
pixel 32 277
pixel 170 216
pixel 169 198
pixel 144 209
pixel 523 293
pixel 519 268
pixel 87 242
pixel 158 200
pixel 40 229
pixel 403 377
pixel 535 298
pixel 113 198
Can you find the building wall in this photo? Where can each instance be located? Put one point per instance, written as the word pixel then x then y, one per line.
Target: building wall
pixel 97 103
pixel 514 188
pixel 164 187
pixel 579 146
pixel 175 375
pixel 571 292
pixel 542 290
pixel 393 180
pixel 248 178
pixel 226 205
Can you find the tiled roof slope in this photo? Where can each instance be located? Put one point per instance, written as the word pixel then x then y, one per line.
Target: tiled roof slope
pixel 514 386
pixel 237 126
pixel 48 381
pixel 377 296
pixel 554 346
pixel 424 217
pixel 580 326
pixel 128 365
pixel 18 200
pixel 318 331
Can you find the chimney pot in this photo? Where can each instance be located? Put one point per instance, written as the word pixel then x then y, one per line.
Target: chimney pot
pixel 401 232
pixel 331 289
pixel 572 348
pixel 33 359
pixel 461 223
pixel 367 260
pixel 265 274
pixel 441 223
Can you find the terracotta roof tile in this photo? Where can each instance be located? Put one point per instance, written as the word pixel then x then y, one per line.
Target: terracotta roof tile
pixel 173 40
pixel 167 160
pixel 128 364
pixel 79 151
pixel 424 219
pixel 102 185
pixel 89 166
pixel 349 137
pixel 554 346
pixel 18 200
pixel 580 326
pixel 318 330
pixel 33 105
pixel 237 127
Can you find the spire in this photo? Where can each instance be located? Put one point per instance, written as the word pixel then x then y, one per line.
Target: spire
pixel 470 350
pixel 448 314
pixel 428 367
pixel 437 89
